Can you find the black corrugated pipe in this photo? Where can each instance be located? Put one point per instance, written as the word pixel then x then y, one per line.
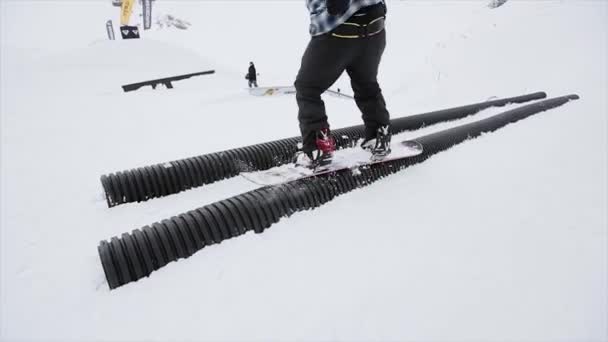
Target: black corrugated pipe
pixel 136 255
pixel 144 183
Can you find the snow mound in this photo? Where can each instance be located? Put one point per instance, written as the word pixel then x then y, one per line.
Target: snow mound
pixel 168 21
pixel 129 60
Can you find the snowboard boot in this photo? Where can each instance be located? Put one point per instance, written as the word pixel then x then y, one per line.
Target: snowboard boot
pixel 380 145
pixel 321 154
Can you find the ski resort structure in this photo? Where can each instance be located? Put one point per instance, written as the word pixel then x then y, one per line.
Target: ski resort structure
pixel 137 254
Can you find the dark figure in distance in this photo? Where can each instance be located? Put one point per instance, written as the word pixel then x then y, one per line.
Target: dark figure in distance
pixel 252 76
pixel 347 35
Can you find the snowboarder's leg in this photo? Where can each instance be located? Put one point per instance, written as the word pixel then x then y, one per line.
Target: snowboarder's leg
pixel 323 62
pixel 363 72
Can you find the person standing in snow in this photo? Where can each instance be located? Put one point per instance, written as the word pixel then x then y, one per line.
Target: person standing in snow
pixel 347 35
pixel 252 76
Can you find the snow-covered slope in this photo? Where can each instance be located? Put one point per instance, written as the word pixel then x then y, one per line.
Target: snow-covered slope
pixel 501 238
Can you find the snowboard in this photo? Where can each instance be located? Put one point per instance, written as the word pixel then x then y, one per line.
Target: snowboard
pixel 270 91
pixel 289 90
pixel 350 158
pixel 338 94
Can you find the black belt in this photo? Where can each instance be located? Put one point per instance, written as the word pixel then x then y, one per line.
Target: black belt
pixel 355 30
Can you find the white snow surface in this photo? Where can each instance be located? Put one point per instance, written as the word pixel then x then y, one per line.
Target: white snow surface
pixel 501 238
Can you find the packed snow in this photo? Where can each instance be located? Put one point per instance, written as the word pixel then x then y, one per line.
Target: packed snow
pixel 503 237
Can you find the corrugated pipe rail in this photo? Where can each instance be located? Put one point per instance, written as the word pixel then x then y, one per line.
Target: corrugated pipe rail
pixel 144 183
pixel 136 255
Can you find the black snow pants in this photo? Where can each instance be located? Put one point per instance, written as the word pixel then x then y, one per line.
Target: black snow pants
pixel 324 60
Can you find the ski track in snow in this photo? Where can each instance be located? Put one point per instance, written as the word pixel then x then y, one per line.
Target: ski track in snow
pixel 503 237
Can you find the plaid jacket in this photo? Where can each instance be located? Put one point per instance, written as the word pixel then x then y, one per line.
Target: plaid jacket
pixel 322 22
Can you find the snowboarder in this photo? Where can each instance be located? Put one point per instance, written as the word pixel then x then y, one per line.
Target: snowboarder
pixel 252 76
pixel 346 35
